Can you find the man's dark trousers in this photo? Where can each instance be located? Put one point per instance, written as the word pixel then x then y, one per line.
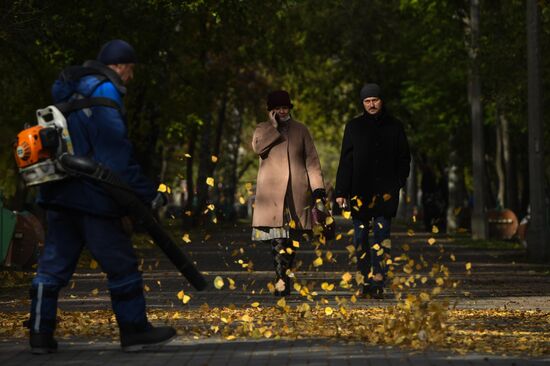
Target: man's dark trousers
pixel 68 231
pixel 370 259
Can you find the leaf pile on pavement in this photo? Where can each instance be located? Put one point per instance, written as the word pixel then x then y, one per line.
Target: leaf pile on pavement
pixel 510 332
pixel 9 279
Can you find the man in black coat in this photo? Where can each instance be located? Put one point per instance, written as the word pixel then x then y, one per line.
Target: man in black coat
pixel 374 166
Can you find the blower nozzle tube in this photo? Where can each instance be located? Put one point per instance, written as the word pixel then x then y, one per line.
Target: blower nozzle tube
pixel 141 214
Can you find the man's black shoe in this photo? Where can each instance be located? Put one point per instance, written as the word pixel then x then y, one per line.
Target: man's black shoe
pixel 42 343
pixel 366 292
pixel 377 292
pixel 371 291
pixel 151 337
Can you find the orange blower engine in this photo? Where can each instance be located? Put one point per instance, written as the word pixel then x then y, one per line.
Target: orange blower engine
pixel 37 147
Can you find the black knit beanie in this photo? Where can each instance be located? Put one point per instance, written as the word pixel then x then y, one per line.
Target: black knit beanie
pixel 370 91
pixel 117 51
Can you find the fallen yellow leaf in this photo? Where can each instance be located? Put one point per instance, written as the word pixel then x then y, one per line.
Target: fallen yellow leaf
pixel 218 282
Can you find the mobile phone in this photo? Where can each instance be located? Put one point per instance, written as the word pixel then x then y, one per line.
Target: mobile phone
pixel 277 118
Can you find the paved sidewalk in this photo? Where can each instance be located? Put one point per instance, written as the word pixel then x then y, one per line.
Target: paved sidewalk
pixel 221 253
pixel 213 352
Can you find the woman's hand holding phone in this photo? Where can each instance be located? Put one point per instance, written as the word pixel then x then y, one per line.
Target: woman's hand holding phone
pixel 273 118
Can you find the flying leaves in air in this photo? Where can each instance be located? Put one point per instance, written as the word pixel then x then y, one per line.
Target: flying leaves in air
pixel 218 282
pixel 318 262
pixel 184 297
pixel 164 188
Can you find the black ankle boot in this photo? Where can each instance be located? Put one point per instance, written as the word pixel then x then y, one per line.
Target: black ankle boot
pixel 282 262
pixel 134 340
pixel 42 343
pixel 286 291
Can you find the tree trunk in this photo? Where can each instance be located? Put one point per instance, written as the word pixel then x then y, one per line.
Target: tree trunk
pixel 187 217
pixel 234 156
pixel 511 198
pixel 205 161
pixel 479 223
pixel 538 236
pixel 499 161
pixel 523 183
pixel 219 128
pixel 453 184
pixel 221 199
pixel 411 190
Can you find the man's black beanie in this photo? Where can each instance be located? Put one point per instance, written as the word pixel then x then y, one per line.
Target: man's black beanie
pixel 370 91
pixel 117 51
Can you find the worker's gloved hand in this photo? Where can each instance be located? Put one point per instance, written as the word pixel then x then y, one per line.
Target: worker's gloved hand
pixel 160 200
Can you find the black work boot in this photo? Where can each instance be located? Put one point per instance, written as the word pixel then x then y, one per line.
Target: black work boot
pixel 42 343
pixel 134 340
pixel 282 262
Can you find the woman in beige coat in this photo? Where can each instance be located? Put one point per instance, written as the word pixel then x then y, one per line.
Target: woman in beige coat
pixel 289 182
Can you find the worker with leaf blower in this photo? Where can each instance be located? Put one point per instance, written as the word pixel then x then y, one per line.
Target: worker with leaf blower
pixel 80 212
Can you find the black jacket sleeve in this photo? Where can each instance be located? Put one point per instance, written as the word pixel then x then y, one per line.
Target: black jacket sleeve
pixel 345 166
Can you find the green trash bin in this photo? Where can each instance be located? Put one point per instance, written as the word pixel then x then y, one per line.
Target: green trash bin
pixel 8 220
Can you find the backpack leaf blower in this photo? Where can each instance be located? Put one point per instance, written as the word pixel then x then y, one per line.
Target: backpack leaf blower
pixel 44 153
